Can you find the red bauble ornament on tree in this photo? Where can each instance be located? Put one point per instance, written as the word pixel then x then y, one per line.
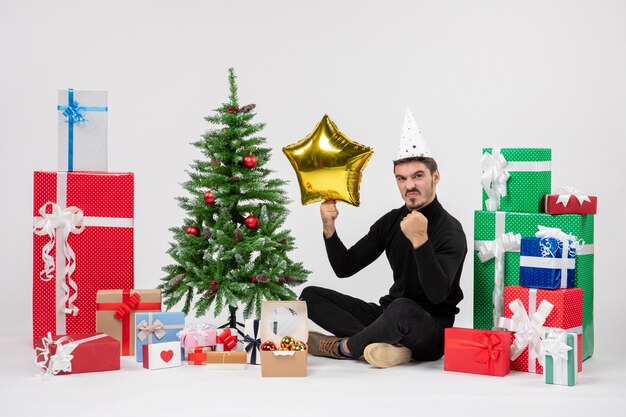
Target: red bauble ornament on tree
pixel 230 110
pixel 251 221
pixel 234 179
pixel 236 109
pixel 280 281
pixel 249 161
pixel 192 230
pixel 253 280
pixel 214 283
pixel 208 198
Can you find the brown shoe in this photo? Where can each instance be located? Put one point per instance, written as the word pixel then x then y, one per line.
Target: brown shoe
pixel 324 345
pixel 385 355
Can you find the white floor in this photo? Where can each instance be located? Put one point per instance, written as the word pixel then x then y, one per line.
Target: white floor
pixel 332 388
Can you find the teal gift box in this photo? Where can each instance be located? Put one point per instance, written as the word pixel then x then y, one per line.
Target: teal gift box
pixel 560 356
pixel 490 277
pixel 156 328
pixel 516 179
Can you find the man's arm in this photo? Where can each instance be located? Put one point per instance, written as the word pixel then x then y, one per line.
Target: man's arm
pixel 346 262
pixel 437 267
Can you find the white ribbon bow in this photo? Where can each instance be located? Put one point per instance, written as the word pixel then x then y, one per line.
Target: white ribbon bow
pixel 496 249
pixel 565 193
pixel 555 345
pixel 494 178
pixel 155 328
pixel 529 330
pixel 61 361
pixel 65 221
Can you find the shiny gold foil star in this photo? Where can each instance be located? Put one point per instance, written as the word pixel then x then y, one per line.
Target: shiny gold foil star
pixel 328 164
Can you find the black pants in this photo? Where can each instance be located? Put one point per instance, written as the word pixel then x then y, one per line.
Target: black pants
pixel 403 321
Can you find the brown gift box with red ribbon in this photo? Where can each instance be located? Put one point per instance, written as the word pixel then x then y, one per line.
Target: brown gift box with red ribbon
pixel 115 313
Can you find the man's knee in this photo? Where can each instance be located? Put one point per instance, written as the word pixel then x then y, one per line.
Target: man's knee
pixel 404 308
pixel 311 293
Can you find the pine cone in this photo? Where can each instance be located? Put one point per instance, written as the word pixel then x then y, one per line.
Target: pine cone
pixel 238 235
pixel 211 292
pixel 262 278
pixel 289 279
pixel 247 108
pixel 207 233
pixel 176 280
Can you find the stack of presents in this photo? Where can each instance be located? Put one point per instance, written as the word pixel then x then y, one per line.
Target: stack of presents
pixel 533 273
pixel 86 312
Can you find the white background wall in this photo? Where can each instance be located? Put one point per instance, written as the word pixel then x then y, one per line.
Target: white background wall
pixel 480 73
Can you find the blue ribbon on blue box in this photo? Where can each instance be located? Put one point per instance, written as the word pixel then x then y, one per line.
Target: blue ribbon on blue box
pixel 75 113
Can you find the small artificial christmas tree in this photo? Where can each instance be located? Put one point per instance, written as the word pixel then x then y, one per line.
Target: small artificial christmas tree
pixel 231 250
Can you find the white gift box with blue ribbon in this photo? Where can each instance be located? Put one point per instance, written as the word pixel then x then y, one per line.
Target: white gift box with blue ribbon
pixel 82 134
pixel 548 261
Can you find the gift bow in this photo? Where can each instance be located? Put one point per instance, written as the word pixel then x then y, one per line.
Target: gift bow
pixel 197 330
pixel 65 220
pixel 496 249
pixel 565 193
pixel 529 330
pixel 491 347
pixel 61 361
pixel 494 178
pixel 155 328
pixel 566 242
pixel 555 345
pixel 126 306
pixel 74 113
pixel 227 339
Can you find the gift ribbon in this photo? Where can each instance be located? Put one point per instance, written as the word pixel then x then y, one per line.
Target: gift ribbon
pixel 496 172
pixel 489 347
pixel 200 332
pixel 65 220
pixel 156 328
pixel 495 249
pixel 61 360
pixel 228 340
pixel 555 346
pixel 253 342
pixel 565 193
pixel 197 356
pixel 128 301
pixel 528 327
pixel 74 114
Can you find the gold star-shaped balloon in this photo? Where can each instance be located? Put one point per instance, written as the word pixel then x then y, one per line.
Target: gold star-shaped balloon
pixel 328 164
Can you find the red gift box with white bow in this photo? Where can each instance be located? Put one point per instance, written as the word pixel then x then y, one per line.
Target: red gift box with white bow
pixel 530 313
pixel 77 353
pixel 82 243
pixel 568 200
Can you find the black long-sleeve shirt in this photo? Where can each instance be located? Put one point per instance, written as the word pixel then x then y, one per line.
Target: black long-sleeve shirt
pixel 428 275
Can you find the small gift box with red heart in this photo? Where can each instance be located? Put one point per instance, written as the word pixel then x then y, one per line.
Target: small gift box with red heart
pixel 477 351
pixel 161 355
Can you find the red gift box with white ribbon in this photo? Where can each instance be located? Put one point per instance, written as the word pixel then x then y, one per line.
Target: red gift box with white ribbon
pixel 77 353
pixel 569 200
pixel 82 243
pixel 530 313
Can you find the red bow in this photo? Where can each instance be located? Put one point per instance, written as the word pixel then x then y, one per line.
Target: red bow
pixel 491 347
pixel 227 339
pixel 127 306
